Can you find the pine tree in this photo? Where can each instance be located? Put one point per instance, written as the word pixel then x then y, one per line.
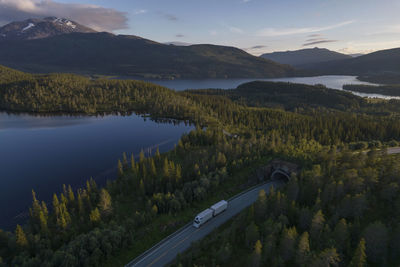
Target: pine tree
pixel 288 243
pixel 45 210
pixel 157 154
pixel 256 257
pixel 178 173
pixel 81 207
pixel 133 164
pixel 95 215
pixel 20 237
pixel 120 169
pixel 317 224
pixel 141 156
pixel 71 195
pixel 360 258
pixel 153 169
pixel 36 208
pixel 303 250
pixel 89 190
pixel 56 205
pixel 166 169
pixel 105 203
pixel 43 222
pixel 125 161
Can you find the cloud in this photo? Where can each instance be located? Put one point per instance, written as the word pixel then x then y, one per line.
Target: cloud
pixel 235 30
pixel 315 39
pixel 245 1
pixel 179 35
pixel 258 47
pixel 169 17
pixel 320 42
pixel 213 32
pixel 96 17
pixel 140 11
pixel 272 32
pixel 314 35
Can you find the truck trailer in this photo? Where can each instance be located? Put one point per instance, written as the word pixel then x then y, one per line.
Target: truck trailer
pixel 219 207
pixel 208 214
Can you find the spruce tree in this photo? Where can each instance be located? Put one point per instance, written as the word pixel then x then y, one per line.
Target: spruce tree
pixel 120 169
pixel 20 237
pixel 95 215
pixel 141 156
pixel 303 250
pixel 360 257
pixel 133 164
pixel 166 169
pixel 125 160
pixel 71 194
pixel 105 203
pixel 256 257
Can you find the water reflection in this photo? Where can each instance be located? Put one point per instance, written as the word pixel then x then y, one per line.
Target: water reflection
pixel 42 152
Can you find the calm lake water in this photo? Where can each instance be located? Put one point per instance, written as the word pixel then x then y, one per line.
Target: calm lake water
pixel 42 153
pixel 331 81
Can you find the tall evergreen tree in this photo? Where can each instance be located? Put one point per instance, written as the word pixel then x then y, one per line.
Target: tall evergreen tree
pixel 120 168
pixel 360 257
pixel 303 250
pixel 20 237
pixel 105 203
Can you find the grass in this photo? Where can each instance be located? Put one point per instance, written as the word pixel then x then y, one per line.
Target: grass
pixel 153 233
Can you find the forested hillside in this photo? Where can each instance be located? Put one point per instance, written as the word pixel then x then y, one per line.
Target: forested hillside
pixel 376 63
pixel 390 90
pixel 127 55
pixel 340 212
pixel 301 57
pixel 153 196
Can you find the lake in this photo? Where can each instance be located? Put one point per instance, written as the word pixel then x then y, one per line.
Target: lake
pixel 45 152
pixel 330 81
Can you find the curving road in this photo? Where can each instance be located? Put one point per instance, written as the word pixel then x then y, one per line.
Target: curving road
pixel 166 250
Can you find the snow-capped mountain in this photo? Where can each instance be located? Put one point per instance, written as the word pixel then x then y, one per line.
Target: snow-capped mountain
pixel 40 28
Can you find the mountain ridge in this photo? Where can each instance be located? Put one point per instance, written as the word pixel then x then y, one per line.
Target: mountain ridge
pixel 129 55
pixel 379 62
pixel 304 56
pixel 35 28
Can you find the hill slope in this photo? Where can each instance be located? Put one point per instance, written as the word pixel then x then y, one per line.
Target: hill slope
pixel 40 28
pixel 305 56
pixel 108 54
pixel 377 62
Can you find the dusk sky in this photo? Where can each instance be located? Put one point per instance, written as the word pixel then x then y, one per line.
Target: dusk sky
pixel 258 26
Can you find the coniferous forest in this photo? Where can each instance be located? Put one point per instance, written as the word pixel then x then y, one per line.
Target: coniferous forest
pixel 340 210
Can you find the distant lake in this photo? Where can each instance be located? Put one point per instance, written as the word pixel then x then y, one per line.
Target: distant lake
pixel 330 81
pixel 43 153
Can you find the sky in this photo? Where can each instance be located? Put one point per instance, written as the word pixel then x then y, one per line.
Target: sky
pixel 257 26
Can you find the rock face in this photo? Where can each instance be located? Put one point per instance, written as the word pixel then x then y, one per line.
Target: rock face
pixel 40 28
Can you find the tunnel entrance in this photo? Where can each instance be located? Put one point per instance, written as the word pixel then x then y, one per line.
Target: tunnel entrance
pixel 280 175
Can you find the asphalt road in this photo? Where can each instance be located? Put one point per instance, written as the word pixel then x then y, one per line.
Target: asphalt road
pixel 167 250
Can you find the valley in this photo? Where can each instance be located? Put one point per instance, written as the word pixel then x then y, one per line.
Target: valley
pixel 188 133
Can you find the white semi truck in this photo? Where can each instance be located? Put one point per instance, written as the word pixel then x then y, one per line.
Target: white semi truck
pixel 208 214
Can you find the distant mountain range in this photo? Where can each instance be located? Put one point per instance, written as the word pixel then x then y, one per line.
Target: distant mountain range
pixel 302 57
pixel 61 45
pixel 384 61
pixel 40 28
